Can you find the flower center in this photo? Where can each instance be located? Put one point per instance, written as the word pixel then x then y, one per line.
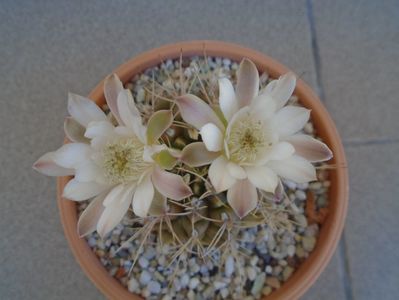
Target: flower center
pixel 246 141
pixel 123 160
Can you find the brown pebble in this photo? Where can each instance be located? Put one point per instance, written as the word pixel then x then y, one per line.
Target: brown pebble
pixel 120 273
pixel 273 282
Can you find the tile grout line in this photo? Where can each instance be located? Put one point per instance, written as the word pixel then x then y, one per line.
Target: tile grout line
pixel 315 49
pixel 345 268
pixel 342 251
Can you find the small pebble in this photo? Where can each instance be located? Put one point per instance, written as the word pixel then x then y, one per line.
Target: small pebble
pixel 143 262
pixel 308 243
pixel 273 282
pixel 194 283
pixel 258 284
pixel 154 287
pixel 145 277
pixel 229 266
pixel 133 285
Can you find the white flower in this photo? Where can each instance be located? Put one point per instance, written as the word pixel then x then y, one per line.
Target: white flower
pixel 255 141
pixel 113 164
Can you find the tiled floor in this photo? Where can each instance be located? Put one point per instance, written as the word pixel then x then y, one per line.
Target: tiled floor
pixel 348 51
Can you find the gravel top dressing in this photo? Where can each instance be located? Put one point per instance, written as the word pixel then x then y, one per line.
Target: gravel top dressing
pixel 258 260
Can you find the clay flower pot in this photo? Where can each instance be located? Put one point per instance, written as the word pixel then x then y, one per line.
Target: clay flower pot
pixel 308 272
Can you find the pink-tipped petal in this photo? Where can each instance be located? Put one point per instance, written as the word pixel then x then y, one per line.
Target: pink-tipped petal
pixel 71 155
pixel 212 137
pixel 294 168
pixel 88 219
pixel 242 197
pixel 74 131
pixel 114 213
pixel 196 155
pixel 290 120
pixel 263 178
pixel 170 185
pixel 219 175
pixel 83 110
pixel 282 89
pixel 112 87
pixel 247 82
pixel 79 191
pixel 157 124
pixel 196 112
pixel 310 148
pixel 143 197
pixel 46 165
pixel 227 98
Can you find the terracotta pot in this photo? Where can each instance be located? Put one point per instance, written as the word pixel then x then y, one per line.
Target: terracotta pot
pixel 331 230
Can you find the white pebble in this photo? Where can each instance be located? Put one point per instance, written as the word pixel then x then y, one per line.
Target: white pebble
pixel 290 184
pixel 229 266
pixel 251 273
pixel 300 195
pixel 154 287
pixel 184 280
pixel 145 277
pixel 291 250
pixel 224 293
pixel 219 285
pixel 143 262
pixel 269 269
pixel 194 283
pixel 133 285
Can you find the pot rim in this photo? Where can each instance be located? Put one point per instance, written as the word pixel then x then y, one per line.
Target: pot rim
pixel 307 273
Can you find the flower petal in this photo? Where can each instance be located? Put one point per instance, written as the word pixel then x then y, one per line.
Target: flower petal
pixel 263 107
pixel 242 197
pixel 87 171
pixel 282 89
pixel 310 148
pixel 170 185
pixel 279 151
pixel 290 119
pixel 47 166
pixel 112 87
pixel 143 197
pixel 129 113
pixel 196 155
pixel 236 171
pixel 113 214
pixel 88 219
pixel 157 124
pixel 71 155
pixel 196 112
pixel 247 82
pixel 78 191
pixel 219 175
pixel 74 131
pixel 294 168
pixel 263 178
pixel 84 110
pixel 212 137
pixel 99 129
pixel 227 98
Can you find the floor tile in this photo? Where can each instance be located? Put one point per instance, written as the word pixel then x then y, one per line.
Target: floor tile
pixel 371 230
pixel 359 48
